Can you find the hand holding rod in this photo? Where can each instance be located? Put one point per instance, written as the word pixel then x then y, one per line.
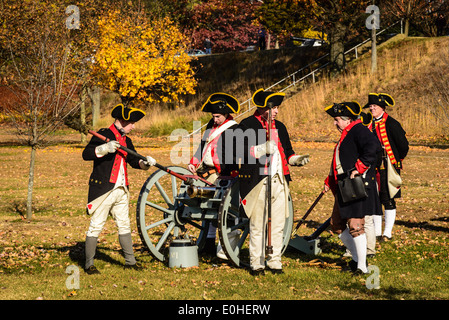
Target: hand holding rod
pixel 157 165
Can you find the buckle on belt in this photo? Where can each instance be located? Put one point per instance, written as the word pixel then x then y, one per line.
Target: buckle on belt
pixel 207 173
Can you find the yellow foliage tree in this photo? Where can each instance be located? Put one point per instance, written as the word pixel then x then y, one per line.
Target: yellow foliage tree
pixel 142 60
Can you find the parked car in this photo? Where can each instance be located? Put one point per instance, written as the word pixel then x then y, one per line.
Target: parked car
pixel 304 42
pixel 195 52
pixel 249 48
pixel 312 42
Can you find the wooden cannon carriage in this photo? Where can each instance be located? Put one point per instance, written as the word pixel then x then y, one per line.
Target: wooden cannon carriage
pixel 175 204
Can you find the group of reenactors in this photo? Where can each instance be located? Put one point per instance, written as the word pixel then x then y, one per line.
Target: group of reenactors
pixel 258 152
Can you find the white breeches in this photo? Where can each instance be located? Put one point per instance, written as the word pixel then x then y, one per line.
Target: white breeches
pixel 258 224
pixel 116 204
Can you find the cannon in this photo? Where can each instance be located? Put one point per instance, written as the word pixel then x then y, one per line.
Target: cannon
pixel 174 204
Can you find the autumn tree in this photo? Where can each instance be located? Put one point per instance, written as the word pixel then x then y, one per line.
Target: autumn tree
pixel 421 14
pixel 340 18
pixel 37 59
pixel 228 23
pixel 143 60
pixel 285 17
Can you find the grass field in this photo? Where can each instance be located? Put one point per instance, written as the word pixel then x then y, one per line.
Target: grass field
pixel 34 255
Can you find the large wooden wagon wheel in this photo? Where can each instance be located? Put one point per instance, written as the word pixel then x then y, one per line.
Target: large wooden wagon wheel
pixel 159 213
pixel 233 228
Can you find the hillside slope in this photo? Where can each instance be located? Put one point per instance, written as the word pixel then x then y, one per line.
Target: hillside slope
pixel 409 69
pixel 414 71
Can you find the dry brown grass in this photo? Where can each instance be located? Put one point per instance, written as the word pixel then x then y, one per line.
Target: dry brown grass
pixel 403 71
pixel 409 69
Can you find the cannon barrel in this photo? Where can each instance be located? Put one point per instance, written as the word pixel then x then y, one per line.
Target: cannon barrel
pixel 201 192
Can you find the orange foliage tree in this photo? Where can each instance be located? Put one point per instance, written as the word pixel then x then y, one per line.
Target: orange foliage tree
pixel 143 60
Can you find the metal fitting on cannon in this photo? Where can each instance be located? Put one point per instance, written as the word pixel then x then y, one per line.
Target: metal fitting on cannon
pixel 201 192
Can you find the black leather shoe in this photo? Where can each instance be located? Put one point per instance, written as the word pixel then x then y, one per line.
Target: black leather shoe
pixel 92 270
pixel 353 265
pixel 358 272
pixel 277 271
pixel 138 266
pixel 257 272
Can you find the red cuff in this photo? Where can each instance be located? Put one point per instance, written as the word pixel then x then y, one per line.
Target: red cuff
pixel 326 181
pixel 251 151
pixel 194 161
pixel 361 168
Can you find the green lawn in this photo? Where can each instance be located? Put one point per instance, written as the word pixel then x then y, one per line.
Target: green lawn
pixel 35 255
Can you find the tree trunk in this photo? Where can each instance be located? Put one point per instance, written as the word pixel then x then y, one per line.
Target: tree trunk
pixel 407 19
pixel 373 51
pixel 94 94
pixel 406 27
pixel 337 50
pixel 83 113
pixel 31 183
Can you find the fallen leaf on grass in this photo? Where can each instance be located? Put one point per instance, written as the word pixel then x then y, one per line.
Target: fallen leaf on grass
pixel 322 264
pixel 72 293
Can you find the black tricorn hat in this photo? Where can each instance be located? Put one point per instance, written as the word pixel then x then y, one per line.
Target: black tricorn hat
pixel 127 113
pixel 222 103
pixel 264 99
pixel 344 109
pixel 367 118
pixel 381 99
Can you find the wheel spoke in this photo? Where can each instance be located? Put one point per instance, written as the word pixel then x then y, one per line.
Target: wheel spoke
pixel 165 205
pixel 156 224
pixel 240 225
pixel 155 206
pixel 163 193
pixel 174 188
pixel 242 239
pixel 165 236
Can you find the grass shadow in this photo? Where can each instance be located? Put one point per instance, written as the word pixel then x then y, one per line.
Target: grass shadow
pixel 424 225
pixel 76 253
